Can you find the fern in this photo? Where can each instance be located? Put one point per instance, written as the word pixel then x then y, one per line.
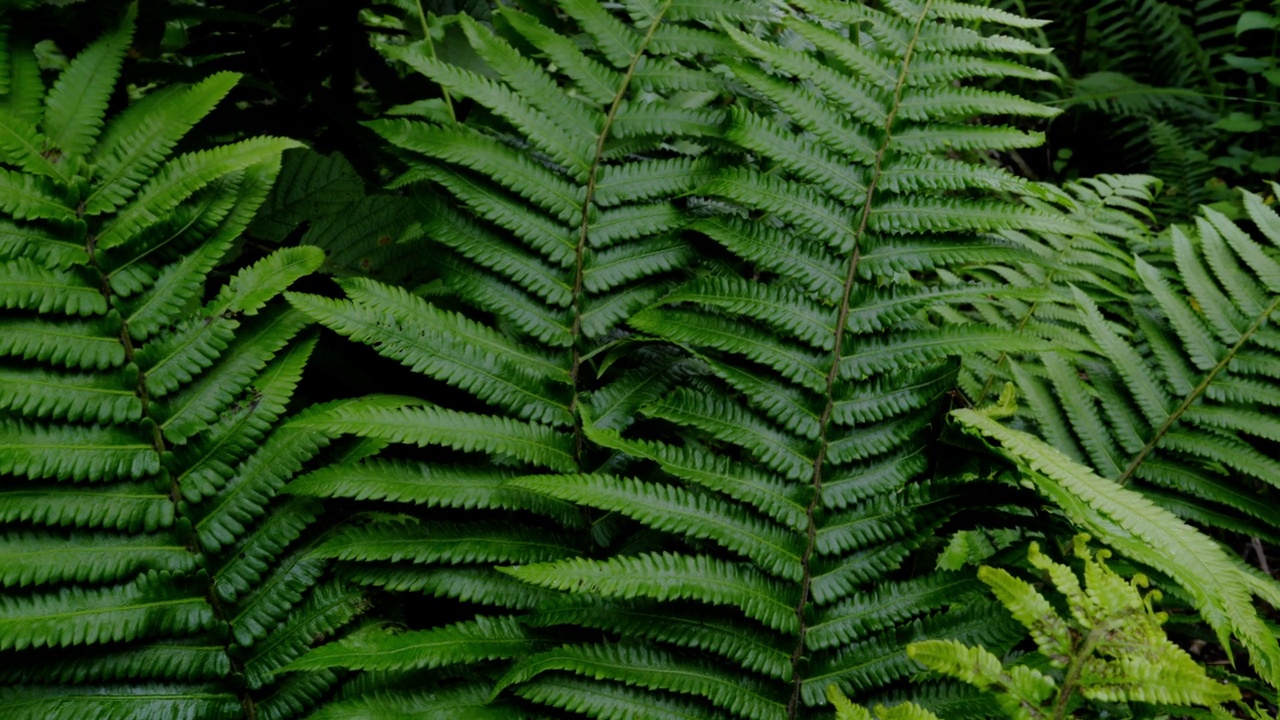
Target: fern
pixel 149 568
pixel 1112 649
pixel 797 490
pixel 1168 386
pixel 321 201
pixel 549 183
pixel 1141 530
pixel 1116 211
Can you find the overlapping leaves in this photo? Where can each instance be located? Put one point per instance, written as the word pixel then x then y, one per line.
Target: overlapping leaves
pixel 548 174
pixel 145 435
pixel 789 479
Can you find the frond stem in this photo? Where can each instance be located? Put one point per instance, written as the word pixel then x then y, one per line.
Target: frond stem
pixel 175 492
pixel 833 375
pixel 431 47
pixel 1195 394
pixel 584 226
pixel 1072 679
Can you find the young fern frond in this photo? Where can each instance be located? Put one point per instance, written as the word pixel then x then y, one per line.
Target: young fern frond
pixel 146 435
pixel 1113 649
pixel 1143 531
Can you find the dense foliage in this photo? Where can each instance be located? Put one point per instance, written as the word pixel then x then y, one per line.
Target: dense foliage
pixel 677 359
pixel 1109 647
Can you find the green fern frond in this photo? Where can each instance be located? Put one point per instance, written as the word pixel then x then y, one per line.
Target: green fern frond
pixel 326 610
pixel 822 368
pixel 459 701
pixel 556 210
pixel 667 576
pixel 739 481
pixel 890 604
pixel 672 509
pixel 75 105
pixel 597 698
pixel 179 179
pixel 1135 526
pixel 43 559
pixel 136 142
pixel 446 544
pixel 1169 395
pixel 97 701
pixel 736 640
pixel 178 662
pixel 88 453
pixel 123 506
pixel 135 410
pixel 526 442
pixel 143 607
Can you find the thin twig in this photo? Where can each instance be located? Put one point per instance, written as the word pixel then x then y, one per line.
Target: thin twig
pixel 1262 555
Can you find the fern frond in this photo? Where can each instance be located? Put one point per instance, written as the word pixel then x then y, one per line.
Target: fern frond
pixel 527 442
pixel 86 454
pixel 134 145
pixel 1157 399
pixel 130 507
pixel 447 346
pixel 39 393
pixel 596 698
pixel 327 609
pixel 133 410
pixel 766 463
pixel 164 700
pixel 1135 526
pixel 178 662
pixel 459 701
pixel 76 103
pixel 261 612
pixel 671 509
pixel 31 559
pixel 445 544
pixel 889 605
pixel 253 556
pixel 181 177
pixel 743 482
pixel 140 608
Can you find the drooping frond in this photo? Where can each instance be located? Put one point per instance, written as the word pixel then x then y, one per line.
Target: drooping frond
pixel 149 569
pixel 1167 387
